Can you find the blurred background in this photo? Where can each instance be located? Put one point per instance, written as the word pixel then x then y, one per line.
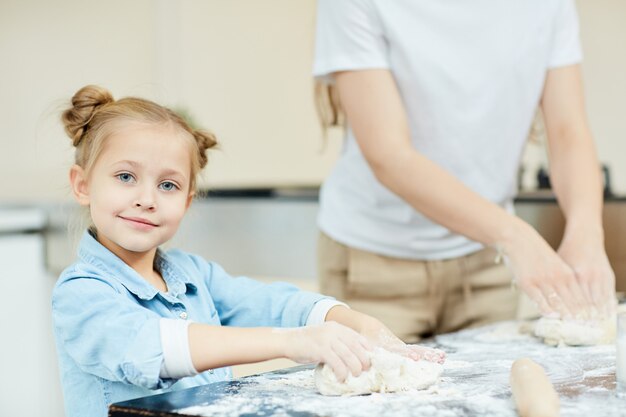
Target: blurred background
pixel 240 68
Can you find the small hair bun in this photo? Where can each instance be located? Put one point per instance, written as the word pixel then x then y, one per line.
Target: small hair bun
pixel 205 140
pixel 85 103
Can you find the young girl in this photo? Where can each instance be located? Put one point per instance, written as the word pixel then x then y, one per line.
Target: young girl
pixel 131 319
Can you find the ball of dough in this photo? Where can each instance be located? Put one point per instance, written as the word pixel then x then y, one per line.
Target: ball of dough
pixel 575 332
pixel 390 372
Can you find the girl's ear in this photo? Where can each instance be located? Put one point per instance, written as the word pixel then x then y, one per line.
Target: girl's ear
pixel 189 199
pixel 78 182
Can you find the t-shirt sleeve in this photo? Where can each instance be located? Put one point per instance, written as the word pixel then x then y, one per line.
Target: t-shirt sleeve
pixel 566 48
pixel 348 36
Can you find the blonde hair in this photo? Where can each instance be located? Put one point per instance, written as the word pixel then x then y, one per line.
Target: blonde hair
pixel 328 106
pixel 94 115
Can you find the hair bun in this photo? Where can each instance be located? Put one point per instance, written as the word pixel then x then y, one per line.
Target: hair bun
pixel 205 140
pixel 85 103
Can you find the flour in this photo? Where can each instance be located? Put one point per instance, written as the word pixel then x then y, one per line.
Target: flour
pixel 474 382
pixel 390 372
pixel 448 364
pixel 575 332
pixel 505 332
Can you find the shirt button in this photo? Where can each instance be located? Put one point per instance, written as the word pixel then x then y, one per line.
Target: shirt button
pixel 183 315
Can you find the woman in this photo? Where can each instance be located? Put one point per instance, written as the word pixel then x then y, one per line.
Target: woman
pixel 439 98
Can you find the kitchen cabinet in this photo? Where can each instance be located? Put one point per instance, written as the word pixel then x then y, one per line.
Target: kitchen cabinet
pixel 31 384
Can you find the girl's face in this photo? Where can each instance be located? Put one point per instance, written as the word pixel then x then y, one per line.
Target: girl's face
pixel 139 188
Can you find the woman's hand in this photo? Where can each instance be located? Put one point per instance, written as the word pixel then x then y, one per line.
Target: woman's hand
pixel 334 344
pixel 417 352
pixel 586 256
pixel 543 275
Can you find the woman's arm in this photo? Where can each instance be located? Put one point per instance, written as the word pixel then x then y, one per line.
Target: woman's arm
pixel 377 117
pixel 576 179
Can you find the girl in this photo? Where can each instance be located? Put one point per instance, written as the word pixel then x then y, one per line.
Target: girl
pixel 131 319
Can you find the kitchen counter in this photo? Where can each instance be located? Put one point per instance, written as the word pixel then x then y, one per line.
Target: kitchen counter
pixel 20 220
pixel 249 232
pixel 547 196
pixel 475 382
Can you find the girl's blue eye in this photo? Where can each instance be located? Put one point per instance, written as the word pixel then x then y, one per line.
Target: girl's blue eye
pixel 168 186
pixel 125 177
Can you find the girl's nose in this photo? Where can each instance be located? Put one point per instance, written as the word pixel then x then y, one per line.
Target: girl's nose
pixel 145 205
pixel 146 200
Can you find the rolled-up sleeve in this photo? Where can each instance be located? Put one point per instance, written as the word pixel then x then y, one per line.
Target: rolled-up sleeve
pixel 108 334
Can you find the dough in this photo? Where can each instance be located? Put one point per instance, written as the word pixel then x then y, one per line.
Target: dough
pixel 390 372
pixel 575 332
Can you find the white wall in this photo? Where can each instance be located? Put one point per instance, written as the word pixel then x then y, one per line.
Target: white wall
pixel 603 33
pixel 48 50
pixel 603 36
pixel 241 67
pixel 247 72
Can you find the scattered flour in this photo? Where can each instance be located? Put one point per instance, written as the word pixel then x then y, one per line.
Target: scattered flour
pixel 505 332
pixel 475 381
pixel 451 364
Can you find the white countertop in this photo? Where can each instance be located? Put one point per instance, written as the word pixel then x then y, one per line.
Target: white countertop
pixel 16 219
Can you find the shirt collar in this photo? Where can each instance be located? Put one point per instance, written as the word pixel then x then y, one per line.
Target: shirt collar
pixel 93 252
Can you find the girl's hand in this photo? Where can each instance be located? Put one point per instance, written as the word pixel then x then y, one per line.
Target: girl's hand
pixel 544 276
pixel 334 344
pixel 587 258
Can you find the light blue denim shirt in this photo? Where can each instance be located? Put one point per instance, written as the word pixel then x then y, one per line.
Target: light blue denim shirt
pixel 106 321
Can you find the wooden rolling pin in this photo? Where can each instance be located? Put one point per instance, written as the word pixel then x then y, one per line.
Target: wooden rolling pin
pixel 533 392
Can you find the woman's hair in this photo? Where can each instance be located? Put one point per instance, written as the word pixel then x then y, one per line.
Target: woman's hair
pixel 94 116
pixel 328 106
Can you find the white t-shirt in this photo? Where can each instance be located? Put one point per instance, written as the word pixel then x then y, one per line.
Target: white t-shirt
pixel 470 73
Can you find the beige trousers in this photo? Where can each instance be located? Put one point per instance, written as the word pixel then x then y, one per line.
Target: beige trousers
pixel 417 299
